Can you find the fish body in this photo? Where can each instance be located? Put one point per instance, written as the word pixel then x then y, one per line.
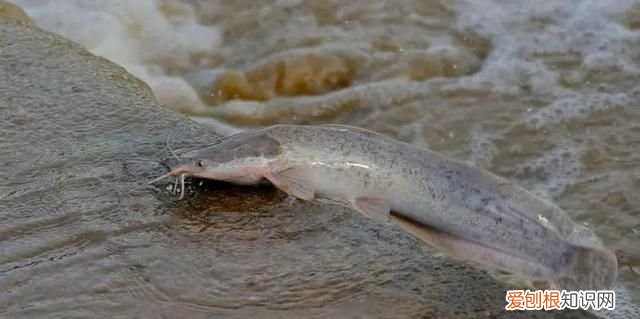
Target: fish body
pixel 466 212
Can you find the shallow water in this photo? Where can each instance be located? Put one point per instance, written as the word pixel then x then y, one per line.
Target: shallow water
pixel 79 133
pixel 544 94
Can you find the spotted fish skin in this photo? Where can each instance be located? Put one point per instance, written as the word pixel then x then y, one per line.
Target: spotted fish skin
pixel 465 211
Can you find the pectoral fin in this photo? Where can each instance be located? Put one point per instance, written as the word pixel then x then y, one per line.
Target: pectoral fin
pixel 292 181
pixel 375 208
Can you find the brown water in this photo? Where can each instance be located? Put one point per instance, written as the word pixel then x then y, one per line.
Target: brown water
pixel 76 242
pixel 544 94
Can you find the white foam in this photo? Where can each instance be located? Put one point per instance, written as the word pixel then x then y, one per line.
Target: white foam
pixel 522 34
pixel 483 149
pixel 591 29
pixel 560 168
pixel 137 35
pixel 575 106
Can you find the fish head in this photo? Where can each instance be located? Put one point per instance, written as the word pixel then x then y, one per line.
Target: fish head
pixel 242 158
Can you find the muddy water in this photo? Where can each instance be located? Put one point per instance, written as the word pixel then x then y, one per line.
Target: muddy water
pixel 75 242
pixel 544 94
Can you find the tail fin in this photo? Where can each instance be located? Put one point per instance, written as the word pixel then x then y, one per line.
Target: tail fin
pixel 590 268
pixel 593 268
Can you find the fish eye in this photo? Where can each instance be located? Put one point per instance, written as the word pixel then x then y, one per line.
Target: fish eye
pixel 200 163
